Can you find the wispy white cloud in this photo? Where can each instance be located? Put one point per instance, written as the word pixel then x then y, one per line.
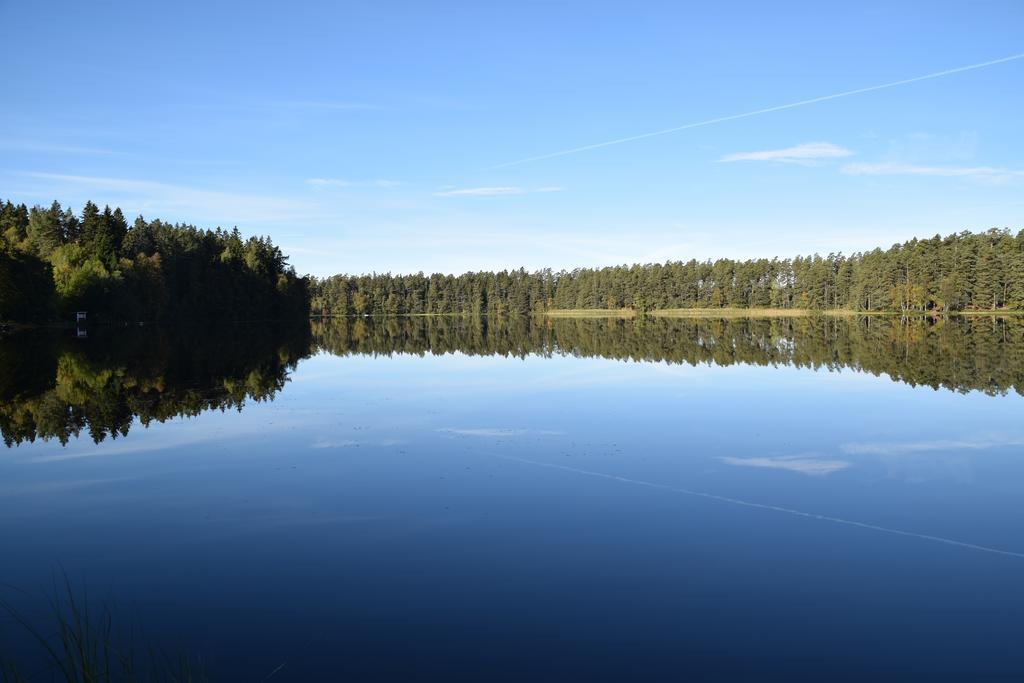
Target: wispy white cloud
pixel 341 182
pixel 321 104
pixel 922 147
pixel 480 192
pixel 328 182
pixel 493 191
pixel 925 446
pixel 190 203
pixel 811 466
pixel 436 243
pixel 766 110
pixel 52 148
pixel 894 168
pixel 803 153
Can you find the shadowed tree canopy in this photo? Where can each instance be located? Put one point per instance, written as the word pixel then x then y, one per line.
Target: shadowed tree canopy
pixel 53 262
pixel 59 387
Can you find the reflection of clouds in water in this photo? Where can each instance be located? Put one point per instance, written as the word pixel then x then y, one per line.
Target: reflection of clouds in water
pixel 485 431
pixel 930 459
pixel 764 506
pixel 28 488
pixel 812 466
pixel 237 525
pixel 498 432
pixel 351 443
pixel 177 433
pixel 900 447
pixel 324 443
pixel 573 372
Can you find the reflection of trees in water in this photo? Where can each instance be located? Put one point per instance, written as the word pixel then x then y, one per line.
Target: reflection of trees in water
pixel 59 387
pixel 55 387
pixel 960 354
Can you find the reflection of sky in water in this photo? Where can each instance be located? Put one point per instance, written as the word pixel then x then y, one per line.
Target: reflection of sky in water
pixel 504 504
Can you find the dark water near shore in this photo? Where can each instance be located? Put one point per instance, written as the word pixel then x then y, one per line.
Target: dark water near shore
pixel 439 498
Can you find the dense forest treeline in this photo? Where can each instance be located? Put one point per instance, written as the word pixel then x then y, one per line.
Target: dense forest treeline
pixel 57 387
pixel 965 271
pixel 53 262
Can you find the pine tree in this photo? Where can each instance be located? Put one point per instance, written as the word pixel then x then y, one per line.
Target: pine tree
pixel 45 230
pixel 91 234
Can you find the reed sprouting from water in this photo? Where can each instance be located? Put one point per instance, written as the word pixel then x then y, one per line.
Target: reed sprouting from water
pixel 81 643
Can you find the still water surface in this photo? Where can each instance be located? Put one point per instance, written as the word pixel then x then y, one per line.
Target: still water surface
pixel 590 499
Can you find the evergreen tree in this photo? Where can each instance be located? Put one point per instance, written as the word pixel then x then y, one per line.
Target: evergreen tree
pixel 45 230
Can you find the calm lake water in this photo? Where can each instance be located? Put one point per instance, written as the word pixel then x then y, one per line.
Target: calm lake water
pixel 445 499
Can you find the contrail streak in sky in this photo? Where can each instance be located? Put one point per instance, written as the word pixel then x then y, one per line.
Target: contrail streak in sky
pixel 765 506
pixel 781 107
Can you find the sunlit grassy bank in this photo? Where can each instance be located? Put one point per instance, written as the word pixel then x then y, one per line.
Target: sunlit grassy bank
pixel 591 313
pixel 758 313
pixel 695 313
pixel 733 312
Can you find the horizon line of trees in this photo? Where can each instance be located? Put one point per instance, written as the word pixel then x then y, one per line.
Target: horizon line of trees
pixel 962 271
pixel 54 262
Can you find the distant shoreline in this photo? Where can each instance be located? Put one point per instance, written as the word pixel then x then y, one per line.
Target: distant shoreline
pixel 629 313
pixel 626 313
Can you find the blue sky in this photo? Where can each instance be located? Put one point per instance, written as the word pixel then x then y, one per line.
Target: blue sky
pixel 377 136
